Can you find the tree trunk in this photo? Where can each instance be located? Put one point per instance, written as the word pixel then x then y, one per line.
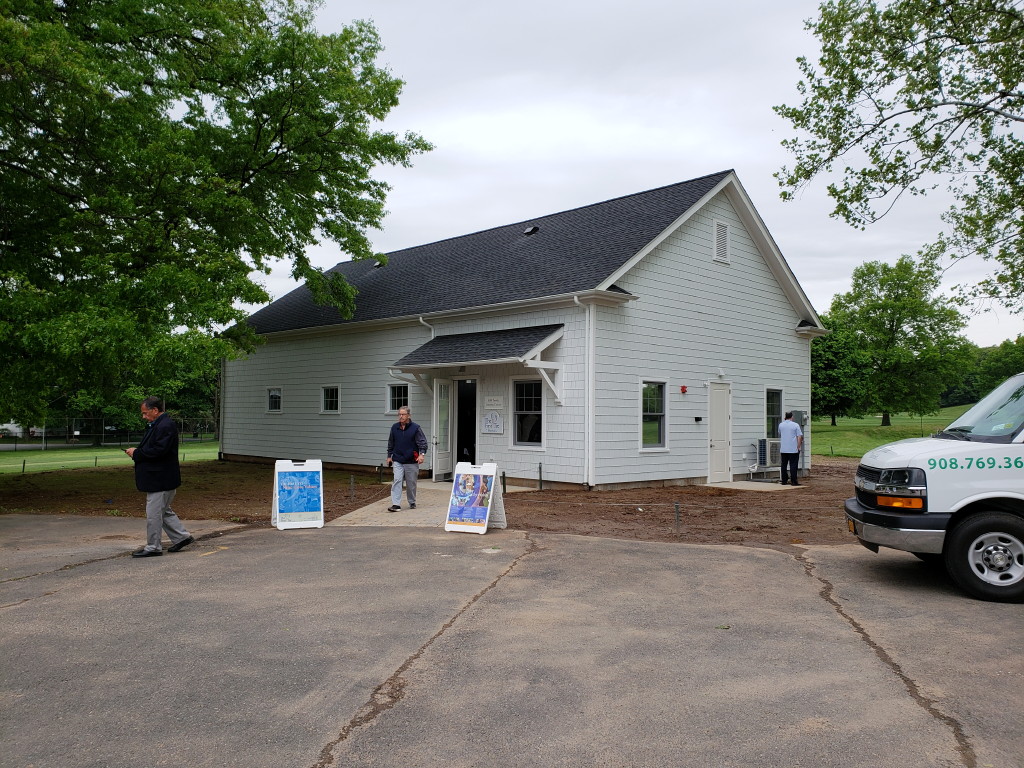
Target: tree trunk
pixel 886 421
pixel 833 419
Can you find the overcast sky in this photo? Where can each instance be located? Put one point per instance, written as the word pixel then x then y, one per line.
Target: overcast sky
pixel 538 107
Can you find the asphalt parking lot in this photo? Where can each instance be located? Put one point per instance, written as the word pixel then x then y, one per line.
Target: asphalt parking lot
pixel 366 645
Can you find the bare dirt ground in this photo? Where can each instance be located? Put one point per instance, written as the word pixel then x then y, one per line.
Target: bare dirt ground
pixel 810 514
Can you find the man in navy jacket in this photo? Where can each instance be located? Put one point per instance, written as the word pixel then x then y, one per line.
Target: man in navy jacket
pixel 158 474
pixel 407 448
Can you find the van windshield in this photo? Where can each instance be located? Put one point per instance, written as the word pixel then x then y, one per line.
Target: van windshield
pixel 997 418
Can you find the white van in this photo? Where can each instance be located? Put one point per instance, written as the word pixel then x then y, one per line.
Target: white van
pixel 956 497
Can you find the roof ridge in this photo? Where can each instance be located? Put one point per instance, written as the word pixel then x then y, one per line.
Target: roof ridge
pixel 576 249
pixel 558 213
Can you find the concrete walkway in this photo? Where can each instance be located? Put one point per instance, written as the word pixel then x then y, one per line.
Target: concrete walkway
pixel 431 508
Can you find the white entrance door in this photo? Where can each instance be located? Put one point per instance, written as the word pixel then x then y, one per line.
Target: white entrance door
pixel 720 434
pixel 442 438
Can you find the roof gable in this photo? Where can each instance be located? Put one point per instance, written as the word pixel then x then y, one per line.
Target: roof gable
pixel 559 254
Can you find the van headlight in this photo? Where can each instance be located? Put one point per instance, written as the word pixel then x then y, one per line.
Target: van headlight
pixel 901 480
pixel 902 489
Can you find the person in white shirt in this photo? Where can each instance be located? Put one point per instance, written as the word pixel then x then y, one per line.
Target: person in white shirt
pixel 791 443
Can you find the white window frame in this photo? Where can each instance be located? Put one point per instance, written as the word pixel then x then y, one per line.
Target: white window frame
pixel 388 398
pixel 782 409
pixel 280 400
pixel 513 445
pixel 323 392
pixel 663 383
pixel 721 241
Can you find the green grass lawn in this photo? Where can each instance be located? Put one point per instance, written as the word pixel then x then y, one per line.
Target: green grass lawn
pixel 76 458
pixel 855 437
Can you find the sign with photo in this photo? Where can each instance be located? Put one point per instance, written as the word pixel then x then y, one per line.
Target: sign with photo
pixel 476 503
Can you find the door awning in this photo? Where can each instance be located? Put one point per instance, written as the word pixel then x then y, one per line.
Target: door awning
pixel 515 345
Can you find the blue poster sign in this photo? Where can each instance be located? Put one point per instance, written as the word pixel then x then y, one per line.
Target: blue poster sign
pixel 298 494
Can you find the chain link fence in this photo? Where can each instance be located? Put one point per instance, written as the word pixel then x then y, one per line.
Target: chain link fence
pixel 73 431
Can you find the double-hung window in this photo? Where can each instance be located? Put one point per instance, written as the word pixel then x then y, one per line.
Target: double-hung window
pixel 398 397
pixel 772 412
pixel 652 418
pixel 529 413
pixel 330 400
pixel 273 399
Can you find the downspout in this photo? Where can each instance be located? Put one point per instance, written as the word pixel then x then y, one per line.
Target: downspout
pixel 220 415
pixel 424 322
pixel 588 419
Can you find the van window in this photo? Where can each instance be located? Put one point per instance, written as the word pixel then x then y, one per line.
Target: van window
pixel 997 418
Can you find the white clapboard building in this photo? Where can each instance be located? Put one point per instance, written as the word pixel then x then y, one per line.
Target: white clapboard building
pixel 651 339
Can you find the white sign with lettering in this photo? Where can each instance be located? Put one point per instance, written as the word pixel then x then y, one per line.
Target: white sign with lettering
pixel 493 424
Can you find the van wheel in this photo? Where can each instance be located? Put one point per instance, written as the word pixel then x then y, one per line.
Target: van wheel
pixel 985 556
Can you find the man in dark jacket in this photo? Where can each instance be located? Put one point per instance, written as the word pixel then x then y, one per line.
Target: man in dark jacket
pixel 158 474
pixel 407 448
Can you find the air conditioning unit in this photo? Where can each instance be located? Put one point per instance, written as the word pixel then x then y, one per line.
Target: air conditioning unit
pixel 769 453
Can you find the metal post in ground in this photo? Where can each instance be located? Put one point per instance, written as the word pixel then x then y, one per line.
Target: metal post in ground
pixel 540 477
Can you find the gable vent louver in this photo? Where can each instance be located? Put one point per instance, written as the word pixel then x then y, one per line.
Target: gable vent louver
pixel 721 241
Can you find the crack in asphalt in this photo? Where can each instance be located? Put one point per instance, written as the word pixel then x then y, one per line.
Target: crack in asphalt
pixel 392 691
pixel 827 593
pixel 79 564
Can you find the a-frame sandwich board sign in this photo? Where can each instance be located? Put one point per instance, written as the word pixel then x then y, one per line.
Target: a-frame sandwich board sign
pixel 298 494
pixel 476 502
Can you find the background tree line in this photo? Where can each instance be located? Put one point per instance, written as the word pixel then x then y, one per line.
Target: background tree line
pixel 895 347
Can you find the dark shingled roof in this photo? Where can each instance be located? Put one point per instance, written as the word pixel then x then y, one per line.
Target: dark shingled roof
pixel 478 347
pixel 571 251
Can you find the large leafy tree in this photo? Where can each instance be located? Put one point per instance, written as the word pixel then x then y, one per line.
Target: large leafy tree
pixel 153 156
pixel 908 338
pixel 840 371
pixel 911 95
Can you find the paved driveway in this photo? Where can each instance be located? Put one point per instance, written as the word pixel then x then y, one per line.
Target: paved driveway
pixel 409 646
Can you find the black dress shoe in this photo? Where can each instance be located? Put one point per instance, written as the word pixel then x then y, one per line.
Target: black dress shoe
pixel 181 544
pixel 147 553
pixel 794 483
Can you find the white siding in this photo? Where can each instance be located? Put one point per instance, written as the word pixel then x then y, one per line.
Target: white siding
pixel 357 362
pixel 695 316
